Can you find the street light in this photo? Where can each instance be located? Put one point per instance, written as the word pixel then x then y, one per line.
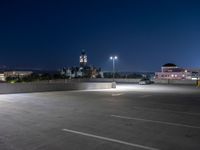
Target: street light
pixel 113 58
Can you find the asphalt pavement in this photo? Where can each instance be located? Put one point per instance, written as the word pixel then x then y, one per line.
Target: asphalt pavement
pixel 131 117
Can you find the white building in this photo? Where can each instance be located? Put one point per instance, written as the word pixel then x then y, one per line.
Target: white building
pixel 2 77
pixel 14 74
pixel 171 71
pixel 19 74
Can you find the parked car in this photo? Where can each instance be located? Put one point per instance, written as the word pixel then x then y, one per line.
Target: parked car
pixel 145 81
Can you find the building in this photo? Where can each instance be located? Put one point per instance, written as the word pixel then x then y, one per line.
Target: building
pixel 14 74
pixel 18 74
pixel 2 77
pixel 83 71
pixel 171 71
pixel 83 59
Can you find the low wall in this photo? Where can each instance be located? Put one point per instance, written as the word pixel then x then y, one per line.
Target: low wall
pixel 6 88
pixel 156 81
pixel 116 80
pixel 106 80
pixel 183 82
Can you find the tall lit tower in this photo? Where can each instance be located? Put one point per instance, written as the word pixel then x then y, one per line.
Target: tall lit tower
pixel 83 59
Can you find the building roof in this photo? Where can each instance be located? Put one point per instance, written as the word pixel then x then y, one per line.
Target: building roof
pixel 169 65
pixel 83 52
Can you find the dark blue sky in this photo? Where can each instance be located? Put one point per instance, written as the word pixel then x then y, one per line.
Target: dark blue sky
pixel 144 34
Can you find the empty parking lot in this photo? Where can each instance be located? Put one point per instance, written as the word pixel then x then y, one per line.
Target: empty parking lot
pixel 138 117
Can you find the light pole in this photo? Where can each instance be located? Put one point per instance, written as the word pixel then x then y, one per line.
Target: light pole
pixel 113 58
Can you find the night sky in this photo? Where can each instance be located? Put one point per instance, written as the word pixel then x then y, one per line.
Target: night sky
pixel 143 34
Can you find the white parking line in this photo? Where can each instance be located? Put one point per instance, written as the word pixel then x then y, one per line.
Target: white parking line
pixel 145 96
pixel 117 94
pixel 110 139
pixel 154 121
pixel 166 110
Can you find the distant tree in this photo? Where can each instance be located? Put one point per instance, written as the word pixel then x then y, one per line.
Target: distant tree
pixel 120 75
pixel 46 76
pixel 35 76
pixel 107 75
pixel 134 75
pixel 27 79
pixel 98 76
pixel 12 79
pixel 59 76
pixel 117 75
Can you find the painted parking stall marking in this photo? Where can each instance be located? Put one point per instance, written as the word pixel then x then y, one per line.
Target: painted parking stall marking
pixel 109 139
pixel 117 94
pixel 167 111
pixel 145 96
pixel 154 121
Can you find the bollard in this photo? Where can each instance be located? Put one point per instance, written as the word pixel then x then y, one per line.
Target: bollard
pixel 114 85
